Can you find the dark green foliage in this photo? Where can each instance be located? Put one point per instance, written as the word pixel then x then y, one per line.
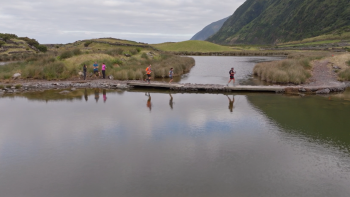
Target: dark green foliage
pixel 87 43
pixel 117 61
pixel 271 21
pixel 138 50
pixel 134 51
pixel 42 48
pixel 31 42
pixel 2 43
pixel 6 37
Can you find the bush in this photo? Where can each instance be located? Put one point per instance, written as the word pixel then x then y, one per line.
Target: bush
pixel 2 43
pixel 76 51
pixel 66 54
pixel 144 55
pixel 30 41
pixel 42 48
pixel 117 61
pixel 1 87
pixel 138 49
pixel 18 86
pixel 348 63
pixel 345 75
pixel 133 51
pixel 87 43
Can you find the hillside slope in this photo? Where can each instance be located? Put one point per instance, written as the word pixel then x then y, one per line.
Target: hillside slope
pixel 209 30
pixel 274 21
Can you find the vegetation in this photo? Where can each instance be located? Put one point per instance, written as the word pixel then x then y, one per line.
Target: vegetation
pixel 192 45
pixel 270 22
pixel 286 71
pixel 66 61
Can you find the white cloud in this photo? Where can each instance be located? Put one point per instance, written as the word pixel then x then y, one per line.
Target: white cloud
pixel 143 20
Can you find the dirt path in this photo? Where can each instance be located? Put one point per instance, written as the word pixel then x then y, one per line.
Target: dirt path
pixel 322 75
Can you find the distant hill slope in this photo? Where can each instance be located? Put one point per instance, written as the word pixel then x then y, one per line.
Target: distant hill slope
pixel 209 30
pixel 192 45
pixel 271 21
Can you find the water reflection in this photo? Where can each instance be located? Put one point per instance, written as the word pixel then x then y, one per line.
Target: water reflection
pixel 171 102
pixel 230 103
pixel 104 96
pixel 97 94
pixel 86 95
pixel 149 103
pixel 197 149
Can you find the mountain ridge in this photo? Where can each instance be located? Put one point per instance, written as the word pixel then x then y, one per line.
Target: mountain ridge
pixel 209 30
pixel 276 21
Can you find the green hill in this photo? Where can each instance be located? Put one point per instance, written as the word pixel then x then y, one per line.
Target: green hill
pixel 192 45
pixel 271 21
pixel 209 30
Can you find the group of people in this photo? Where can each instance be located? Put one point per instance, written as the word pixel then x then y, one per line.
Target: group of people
pixel 148 73
pixel 96 71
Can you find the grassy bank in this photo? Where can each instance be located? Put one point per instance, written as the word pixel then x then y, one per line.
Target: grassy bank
pixel 295 71
pixel 343 62
pixel 66 62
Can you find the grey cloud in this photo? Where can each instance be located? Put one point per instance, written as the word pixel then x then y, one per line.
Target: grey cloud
pixel 151 21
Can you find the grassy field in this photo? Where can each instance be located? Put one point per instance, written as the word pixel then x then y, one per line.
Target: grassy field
pixel 192 45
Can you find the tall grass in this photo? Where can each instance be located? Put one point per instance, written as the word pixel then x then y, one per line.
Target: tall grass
pixel 345 75
pixel 285 71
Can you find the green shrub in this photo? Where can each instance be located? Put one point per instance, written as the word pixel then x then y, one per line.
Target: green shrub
pixel 42 48
pixel 133 51
pixel 2 43
pixel 18 86
pixel 1 87
pixel 66 54
pixel 76 52
pixel 138 49
pixel 87 43
pixel 144 55
pixel 117 61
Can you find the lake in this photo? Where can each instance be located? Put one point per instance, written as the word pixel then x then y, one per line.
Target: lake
pixel 215 70
pixel 94 142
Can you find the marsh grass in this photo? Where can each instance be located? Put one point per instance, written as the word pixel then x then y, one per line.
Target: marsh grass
pixel 294 71
pixel 345 75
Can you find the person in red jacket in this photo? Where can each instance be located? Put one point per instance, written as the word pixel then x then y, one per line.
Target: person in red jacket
pixel 148 72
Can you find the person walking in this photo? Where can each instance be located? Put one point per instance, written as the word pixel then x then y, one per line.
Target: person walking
pixel 148 72
pixel 84 71
pixel 96 69
pixel 171 73
pixel 232 76
pixel 103 68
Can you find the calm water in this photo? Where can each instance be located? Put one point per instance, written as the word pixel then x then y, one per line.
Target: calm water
pixel 100 143
pixel 215 70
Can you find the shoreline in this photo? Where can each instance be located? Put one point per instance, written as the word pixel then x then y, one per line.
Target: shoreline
pixel 21 86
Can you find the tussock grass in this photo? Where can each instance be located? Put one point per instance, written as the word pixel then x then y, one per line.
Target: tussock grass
pixel 294 71
pixel 345 75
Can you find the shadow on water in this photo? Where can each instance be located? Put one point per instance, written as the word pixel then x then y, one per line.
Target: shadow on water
pixel 323 119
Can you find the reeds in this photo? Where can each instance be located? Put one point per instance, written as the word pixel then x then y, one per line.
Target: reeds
pixel 284 71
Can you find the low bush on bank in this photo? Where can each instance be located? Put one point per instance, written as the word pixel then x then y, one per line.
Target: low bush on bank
pixel 294 71
pixel 345 75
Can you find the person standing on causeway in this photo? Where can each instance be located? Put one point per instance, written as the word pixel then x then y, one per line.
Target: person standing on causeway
pixel 232 76
pixel 104 70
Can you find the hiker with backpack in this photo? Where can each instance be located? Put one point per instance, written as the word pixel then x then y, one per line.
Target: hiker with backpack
pixel 232 76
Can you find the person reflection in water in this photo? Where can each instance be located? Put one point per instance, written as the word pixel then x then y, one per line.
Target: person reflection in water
pixel 97 94
pixel 149 103
pixel 104 96
pixel 86 95
pixel 230 104
pixel 171 101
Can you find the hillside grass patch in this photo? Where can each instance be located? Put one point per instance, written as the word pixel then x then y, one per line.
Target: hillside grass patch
pixel 192 46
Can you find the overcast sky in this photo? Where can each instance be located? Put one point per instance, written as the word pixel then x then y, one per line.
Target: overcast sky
pixel 151 21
